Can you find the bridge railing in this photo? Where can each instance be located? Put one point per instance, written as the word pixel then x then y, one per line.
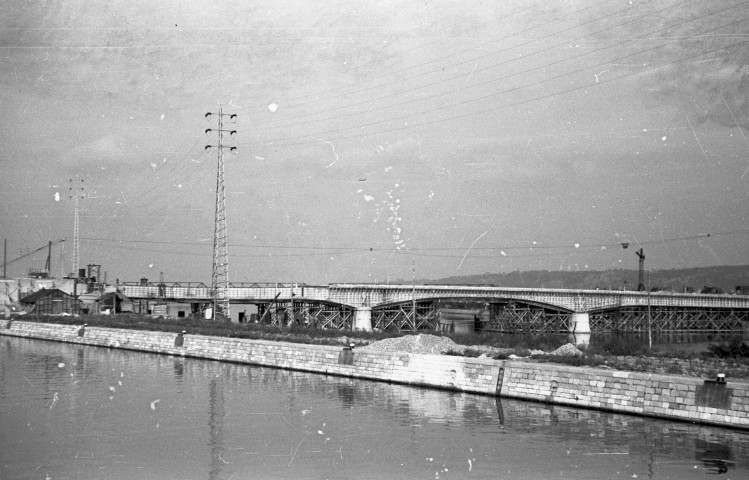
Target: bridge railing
pixel 244 292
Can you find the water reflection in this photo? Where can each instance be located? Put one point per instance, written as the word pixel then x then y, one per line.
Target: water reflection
pixel 179 371
pixel 216 426
pixel 717 457
pixel 120 412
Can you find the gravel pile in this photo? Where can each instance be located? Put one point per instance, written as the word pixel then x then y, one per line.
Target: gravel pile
pixel 567 350
pixel 421 343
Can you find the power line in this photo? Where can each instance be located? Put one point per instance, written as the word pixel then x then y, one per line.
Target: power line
pixel 435 60
pixel 491 109
pixel 506 91
pixel 365 248
pixel 495 65
pixel 473 59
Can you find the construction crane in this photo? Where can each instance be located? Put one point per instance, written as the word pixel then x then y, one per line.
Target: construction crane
pixel 34 272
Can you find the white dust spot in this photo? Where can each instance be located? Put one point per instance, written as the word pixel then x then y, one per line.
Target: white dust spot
pixel 57 196
pixel 272 107
pixel 153 404
pixel 368 198
pixel 119 382
pixel 179 185
pixel 60 365
pixel 577 245
pixel 112 388
pixel 305 412
pixel 320 432
pixel 663 138
pixel 163 116
pixel 150 265
pixel 431 194
pixel 503 253
pixel 259 158
pixel 153 165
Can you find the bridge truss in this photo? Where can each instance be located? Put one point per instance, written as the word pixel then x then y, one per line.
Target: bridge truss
pixel 669 319
pixel 313 314
pixel 401 317
pixel 525 318
pixel 509 310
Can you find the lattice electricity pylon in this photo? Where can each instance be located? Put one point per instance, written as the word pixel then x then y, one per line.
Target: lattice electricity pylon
pixel 77 194
pixel 220 276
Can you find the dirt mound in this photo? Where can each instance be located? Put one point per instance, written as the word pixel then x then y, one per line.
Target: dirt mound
pixel 567 350
pixel 421 343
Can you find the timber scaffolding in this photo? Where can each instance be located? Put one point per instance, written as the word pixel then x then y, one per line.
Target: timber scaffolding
pixel 497 309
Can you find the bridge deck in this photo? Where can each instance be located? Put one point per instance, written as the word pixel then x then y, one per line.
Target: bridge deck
pixel 372 295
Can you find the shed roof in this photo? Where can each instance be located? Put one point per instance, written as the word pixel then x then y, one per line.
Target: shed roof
pixel 107 295
pixel 34 297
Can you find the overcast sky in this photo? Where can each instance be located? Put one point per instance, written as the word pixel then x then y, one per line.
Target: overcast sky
pixel 376 138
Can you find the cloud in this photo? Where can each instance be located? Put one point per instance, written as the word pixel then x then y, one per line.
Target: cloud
pixel 109 148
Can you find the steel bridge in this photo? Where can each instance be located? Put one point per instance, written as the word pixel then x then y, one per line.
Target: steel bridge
pixel 501 309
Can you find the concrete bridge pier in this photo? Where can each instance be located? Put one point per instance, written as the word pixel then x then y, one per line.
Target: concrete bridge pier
pixel 579 328
pixel 363 319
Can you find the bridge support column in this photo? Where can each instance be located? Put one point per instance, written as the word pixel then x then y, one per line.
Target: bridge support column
pixel 579 328
pixel 363 319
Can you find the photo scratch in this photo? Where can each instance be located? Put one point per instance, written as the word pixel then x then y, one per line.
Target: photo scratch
pixel 333 147
pixel 469 249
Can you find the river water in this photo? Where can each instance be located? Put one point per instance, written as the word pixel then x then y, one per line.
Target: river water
pixel 77 412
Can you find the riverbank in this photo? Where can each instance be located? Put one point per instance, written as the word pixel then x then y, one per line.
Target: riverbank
pixel 672 397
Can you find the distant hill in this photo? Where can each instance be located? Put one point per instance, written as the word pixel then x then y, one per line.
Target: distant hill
pixel 726 278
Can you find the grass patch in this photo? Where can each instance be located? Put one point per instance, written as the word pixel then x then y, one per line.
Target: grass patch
pixel 602 347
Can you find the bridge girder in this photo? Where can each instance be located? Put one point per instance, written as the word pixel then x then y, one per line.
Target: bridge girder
pixel 309 313
pixel 669 319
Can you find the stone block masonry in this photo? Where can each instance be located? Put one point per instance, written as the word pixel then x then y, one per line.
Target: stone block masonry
pixel 670 397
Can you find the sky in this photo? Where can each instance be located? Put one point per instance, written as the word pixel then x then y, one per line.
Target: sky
pixel 376 141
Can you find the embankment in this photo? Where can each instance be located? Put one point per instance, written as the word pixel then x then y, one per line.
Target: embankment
pixel 670 397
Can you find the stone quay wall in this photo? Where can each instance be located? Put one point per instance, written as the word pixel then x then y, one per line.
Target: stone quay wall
pixel 663 396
